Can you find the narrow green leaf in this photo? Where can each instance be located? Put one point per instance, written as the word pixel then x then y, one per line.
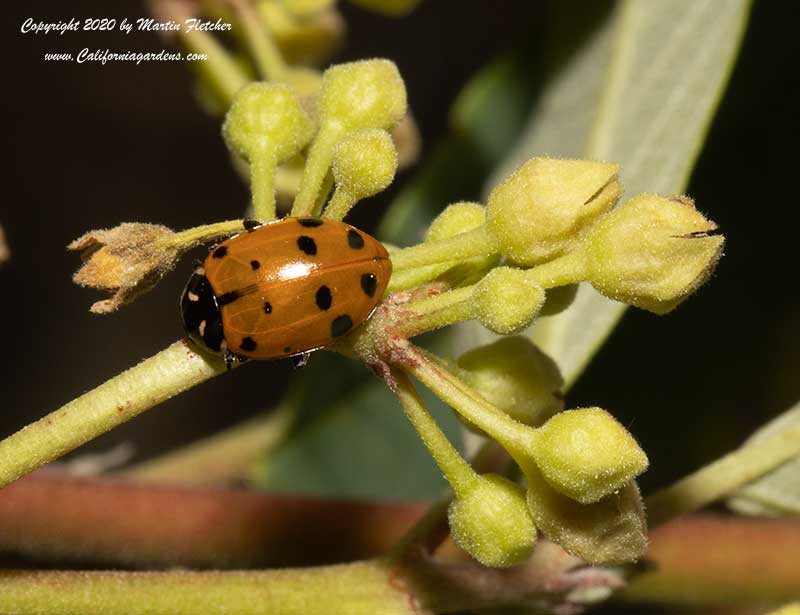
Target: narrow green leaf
pixel 650 79
pixel 776 494
pixel 353 439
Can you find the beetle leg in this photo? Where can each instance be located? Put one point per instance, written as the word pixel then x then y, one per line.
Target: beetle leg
pixel 299 361
pixel 229 358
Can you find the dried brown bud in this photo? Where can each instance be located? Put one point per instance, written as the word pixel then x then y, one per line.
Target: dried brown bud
pixel 127 260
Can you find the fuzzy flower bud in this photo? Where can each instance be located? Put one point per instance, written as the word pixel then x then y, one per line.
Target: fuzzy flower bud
pixel 310 41
pixel 652 252
pixel 586 454
pixel 455 219
pixel 354 96
pixel 266 117
pixel 127 260
pixel 364 94
pixel 517 377
pixel 364 162
pixel 537 212
pixel 266 126
pixel 610 531
pixel 492 523
pixel 505 301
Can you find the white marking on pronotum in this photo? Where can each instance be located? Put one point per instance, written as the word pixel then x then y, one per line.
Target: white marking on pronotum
pixel 202 328
pixel 192 296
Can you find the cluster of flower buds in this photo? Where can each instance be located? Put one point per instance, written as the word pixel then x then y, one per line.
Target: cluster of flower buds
pixel 549 226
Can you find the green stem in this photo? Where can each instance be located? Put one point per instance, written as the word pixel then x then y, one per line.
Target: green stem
pixel 566 269
pixel 390 587
pixel 322 197
pixel 262 186
pixel 723 476
pixel 438 311
pixel 164 375
pixel 257 36
pixel 460 247
pixel 457 471
pixel 224 74
pixel 341 202
pixel 317 164
pixel 205 233
pixel 360 588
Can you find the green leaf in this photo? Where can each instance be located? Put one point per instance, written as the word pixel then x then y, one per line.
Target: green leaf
pixel 353 439
pixel 776 494
pixel 640 91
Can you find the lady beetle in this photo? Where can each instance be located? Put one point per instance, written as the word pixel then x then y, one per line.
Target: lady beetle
pixel 284 289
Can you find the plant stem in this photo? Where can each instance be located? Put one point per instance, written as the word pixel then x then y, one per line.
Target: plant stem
pixel 164 375
pixel 723 476
pixel 360 588
pixel 224 74
pixel 476 242
pixel 715 559
pixel 457 471
pixel 262 186
pixel 52 516
pixel 257 36
pixel 411 586
pixel 206 232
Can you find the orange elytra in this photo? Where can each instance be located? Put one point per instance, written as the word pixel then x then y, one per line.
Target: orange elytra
pixel 284 289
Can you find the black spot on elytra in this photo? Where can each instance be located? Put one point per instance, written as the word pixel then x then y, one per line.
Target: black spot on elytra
pixel 341 325
pixel 251 225
pixel 220 252
pixel 248 344
pixel 226 298
pixel 254 265
pixel 324 297
pixel 369 283
pixel 267 307
pixel 306 244
pixel 287 349
pixel 355 240
pixel 310 222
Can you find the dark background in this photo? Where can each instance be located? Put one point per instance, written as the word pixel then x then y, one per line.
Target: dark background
pixel 90 146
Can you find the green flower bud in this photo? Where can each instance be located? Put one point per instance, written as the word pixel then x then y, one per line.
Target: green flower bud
pixel 505 301
pixel 365 94
pixel 517 377
pixel 266 126
pixel 310 41
pixel 611 531
pixel 456 219
pixel 364 162
pixel 266 118
pixel 586 454
pixel 492 523
pixel 651 252
pixel 537 212
pixel 354 96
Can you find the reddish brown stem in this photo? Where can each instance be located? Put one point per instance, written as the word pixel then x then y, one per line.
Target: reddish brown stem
pixel 715 559
pixel 49 515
